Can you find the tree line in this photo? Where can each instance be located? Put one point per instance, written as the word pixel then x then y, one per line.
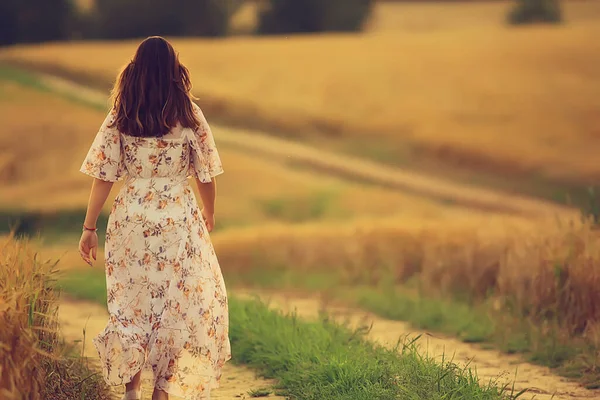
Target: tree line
pixel 31 21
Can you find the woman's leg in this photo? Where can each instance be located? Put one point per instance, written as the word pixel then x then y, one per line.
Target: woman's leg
pixel 136 383
pixel 159 395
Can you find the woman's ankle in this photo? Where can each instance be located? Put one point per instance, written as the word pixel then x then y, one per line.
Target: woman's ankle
pixel 158 394
pixel 136 383
pixel 130 387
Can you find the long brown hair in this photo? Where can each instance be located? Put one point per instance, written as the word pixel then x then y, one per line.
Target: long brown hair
pixel 153 92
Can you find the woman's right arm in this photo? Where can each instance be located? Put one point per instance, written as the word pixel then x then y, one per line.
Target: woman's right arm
pixel 208 193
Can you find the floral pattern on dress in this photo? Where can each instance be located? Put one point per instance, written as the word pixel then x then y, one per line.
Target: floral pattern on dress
pixel 167 300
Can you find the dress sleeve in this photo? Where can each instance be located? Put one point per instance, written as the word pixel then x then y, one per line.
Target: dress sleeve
pixel 205 162
pixel 104 160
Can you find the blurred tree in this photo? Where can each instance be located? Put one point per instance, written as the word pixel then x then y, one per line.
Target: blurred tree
pixel 531 11
pixel 296 16
pixel 117 19
pixel 34 20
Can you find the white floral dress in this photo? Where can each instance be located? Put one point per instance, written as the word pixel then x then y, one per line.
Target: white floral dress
pixel 166 296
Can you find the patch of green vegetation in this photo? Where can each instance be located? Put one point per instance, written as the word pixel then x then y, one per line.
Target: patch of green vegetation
pixel 301 209
pixel 59 225
pixel 282 278
pixel 85 284
pixel 386 151
pixel 471 322
pixel 539 342
pixel 324 360
pixel 53 226
pixel 259 392
pixel 591 209
pixel 22 77
pixel 31 80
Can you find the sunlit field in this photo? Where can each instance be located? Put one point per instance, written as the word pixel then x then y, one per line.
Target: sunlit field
pixel 483 96
pixel 42 153
pixel 35 362
pixel 430 87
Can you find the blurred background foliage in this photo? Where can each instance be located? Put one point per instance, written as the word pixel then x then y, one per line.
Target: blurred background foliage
pixel 27 21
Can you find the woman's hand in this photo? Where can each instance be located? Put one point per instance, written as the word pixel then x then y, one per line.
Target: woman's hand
pixel 88 245
pixel 209 219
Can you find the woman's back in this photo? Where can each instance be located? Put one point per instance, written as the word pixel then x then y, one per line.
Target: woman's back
pixel 182 153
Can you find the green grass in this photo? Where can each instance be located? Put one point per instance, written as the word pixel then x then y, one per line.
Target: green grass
pixel 457 318
pixel 471 322
pixel 260 392
pixel 28 79
pixel 85 284
pixel 301 209
pixel 322 359
pixel 21 77
pixel 468 323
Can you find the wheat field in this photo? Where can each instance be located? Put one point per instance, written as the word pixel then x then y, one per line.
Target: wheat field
pixel 544 269
pixel 45 138
pixel 35 362
pixel 483 96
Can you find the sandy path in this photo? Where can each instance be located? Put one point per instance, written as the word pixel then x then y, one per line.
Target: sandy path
pixel 346 166
pixel 74 317
pixel 541 382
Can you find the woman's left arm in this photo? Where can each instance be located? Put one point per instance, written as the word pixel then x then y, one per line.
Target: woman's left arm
pixel 88 245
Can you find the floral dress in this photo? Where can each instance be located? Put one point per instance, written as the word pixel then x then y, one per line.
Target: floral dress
pixel 166 296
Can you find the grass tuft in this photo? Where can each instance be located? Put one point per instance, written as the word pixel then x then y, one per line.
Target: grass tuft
pixel 260 392
pixel 324 360
pixel 34 362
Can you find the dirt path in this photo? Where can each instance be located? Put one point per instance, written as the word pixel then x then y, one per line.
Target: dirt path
pixel 74 317
pixel 541 382
pixel 238 381
pixel 346 166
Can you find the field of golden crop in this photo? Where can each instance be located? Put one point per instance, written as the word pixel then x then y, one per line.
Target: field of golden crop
pixel 32 358
pixel 23 334
pixel 546 272
pixel 41 172
pixel 449 82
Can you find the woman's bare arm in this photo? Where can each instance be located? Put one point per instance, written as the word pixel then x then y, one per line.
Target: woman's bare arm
pixel 88 244
pixel 98 195
pixel 208 193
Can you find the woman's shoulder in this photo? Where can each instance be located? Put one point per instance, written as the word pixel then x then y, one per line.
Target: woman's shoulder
pixel 196 108
pixel 109 123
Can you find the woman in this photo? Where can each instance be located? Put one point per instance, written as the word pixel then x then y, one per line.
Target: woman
pixel 166 295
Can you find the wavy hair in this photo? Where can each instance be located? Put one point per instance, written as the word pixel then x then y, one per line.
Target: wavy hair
pixel 153 92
